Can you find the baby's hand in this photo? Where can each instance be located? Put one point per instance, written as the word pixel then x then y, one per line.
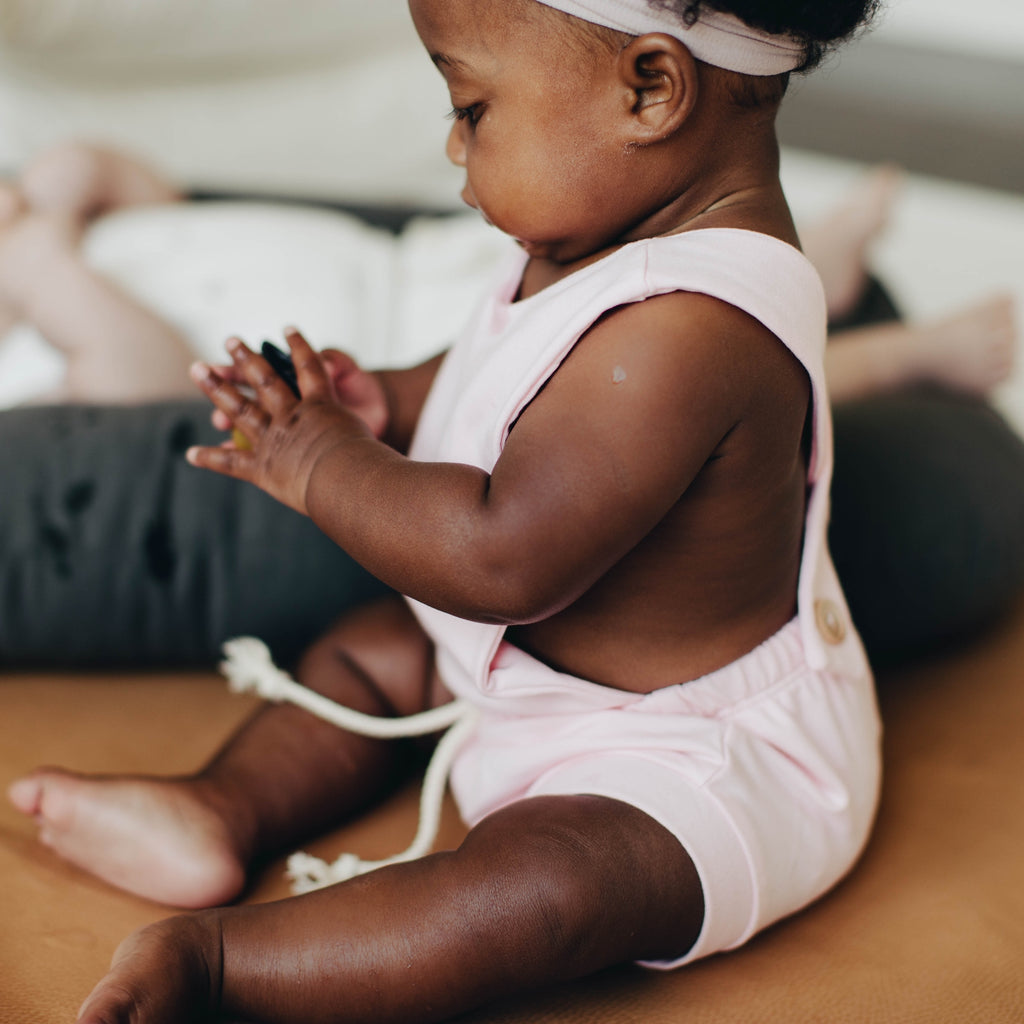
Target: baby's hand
pixel 162 974
pixel 356 389
pixel 285 435
pixel 359 391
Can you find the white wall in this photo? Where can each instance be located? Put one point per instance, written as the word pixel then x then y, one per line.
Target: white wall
pixel 992 28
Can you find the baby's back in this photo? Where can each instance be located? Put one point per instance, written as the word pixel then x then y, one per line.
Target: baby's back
pixel 716 573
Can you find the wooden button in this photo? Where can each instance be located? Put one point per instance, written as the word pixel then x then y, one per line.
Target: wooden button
pixel 830 622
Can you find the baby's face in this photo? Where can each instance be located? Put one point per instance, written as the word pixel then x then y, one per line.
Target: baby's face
pixel 534 122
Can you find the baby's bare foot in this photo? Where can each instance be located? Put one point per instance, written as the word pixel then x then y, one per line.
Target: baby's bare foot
pixel 838 244
pixel 152 837
pixel 82 181
pixel 972 350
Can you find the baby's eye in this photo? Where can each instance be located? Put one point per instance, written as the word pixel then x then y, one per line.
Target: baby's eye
pixel 470 114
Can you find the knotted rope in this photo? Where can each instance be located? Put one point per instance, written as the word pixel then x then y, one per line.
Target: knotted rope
pixel 249 668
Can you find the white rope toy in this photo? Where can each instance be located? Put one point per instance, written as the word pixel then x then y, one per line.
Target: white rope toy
pixel 249 668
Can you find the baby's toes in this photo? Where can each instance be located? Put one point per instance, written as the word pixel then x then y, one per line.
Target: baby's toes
pixel 49 797
pixel 25 794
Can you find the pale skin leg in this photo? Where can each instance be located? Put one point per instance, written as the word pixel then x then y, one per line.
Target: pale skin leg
pixel 547 889
pixel 116 350
pixel 970 350
pixel 85 181
pixel 839 243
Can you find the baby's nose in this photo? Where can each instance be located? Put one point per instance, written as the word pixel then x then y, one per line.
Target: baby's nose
pixel 456 147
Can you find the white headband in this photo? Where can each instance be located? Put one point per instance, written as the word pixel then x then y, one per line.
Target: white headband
pixel 715 38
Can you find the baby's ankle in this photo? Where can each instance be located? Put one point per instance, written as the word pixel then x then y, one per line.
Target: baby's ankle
pixel 232 807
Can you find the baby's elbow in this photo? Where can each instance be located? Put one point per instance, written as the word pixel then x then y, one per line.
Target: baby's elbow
pixel 519 609
pixel 517 591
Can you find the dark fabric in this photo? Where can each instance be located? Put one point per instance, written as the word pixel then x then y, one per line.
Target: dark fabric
pixel 927 529
pixel 114 552
pixel 875 306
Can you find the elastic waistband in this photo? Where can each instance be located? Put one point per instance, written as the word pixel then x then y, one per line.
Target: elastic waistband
pixel 750 677
pixel 519 684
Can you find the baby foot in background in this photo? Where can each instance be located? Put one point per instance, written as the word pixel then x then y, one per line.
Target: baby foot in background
pixel 838 243
pixel 81 181
pixel 150 837
pixel 973 350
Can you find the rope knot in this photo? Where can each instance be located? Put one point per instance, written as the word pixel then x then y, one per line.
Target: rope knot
pixel 307 873
pixel 249 668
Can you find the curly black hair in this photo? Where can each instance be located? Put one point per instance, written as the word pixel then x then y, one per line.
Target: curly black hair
pixel 818 24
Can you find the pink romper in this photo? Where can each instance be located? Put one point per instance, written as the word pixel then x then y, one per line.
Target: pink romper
pixel 768 770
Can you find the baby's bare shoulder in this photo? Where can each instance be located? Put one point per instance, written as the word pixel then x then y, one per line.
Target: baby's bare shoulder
pixel 690 342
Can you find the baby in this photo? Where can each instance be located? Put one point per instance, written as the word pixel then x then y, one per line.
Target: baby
pixel 607 508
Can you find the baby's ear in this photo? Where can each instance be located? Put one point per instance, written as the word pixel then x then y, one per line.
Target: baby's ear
pixel 661 75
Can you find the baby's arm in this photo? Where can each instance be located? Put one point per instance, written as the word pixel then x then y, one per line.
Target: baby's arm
pixel 405 392
pixel 508 546
pixel 545 890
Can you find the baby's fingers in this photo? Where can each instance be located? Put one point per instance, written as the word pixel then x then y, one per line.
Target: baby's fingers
pixel 220 421
pixel 242 411
pixel 256 372
pixel 227 460
pixel 309 367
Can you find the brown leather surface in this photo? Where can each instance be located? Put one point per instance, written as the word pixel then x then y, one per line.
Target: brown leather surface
pixel 929 928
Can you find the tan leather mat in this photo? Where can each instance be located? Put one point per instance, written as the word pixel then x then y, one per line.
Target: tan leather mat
pixel 929 929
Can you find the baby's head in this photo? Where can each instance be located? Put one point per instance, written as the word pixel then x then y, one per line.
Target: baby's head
pixel 579 120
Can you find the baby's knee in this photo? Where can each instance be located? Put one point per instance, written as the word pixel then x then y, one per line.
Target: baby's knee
pixel 63 177
pixel 378 648
pixel 604 881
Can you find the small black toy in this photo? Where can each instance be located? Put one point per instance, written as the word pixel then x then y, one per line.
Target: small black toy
pixel 281 363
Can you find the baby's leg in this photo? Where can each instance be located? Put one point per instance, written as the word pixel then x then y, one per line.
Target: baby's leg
pixel 284 776
pixel 545 890
pixel 83 181
pixel 971 350
pixel 838 243
pixel 116 349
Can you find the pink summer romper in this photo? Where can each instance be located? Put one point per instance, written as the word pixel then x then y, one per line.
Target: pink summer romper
pixel 767 770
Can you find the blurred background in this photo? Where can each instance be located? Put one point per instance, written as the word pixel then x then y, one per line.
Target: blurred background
pixel 937 86
pixel 333 100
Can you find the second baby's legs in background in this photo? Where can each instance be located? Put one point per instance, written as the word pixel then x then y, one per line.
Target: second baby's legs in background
pixel 970 350
pixel 116 350
pixel 82 181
